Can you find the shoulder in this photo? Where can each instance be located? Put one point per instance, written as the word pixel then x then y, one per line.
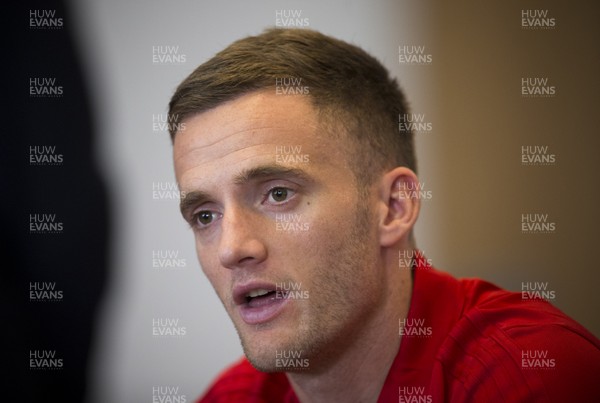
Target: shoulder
pixel 241 382
pixel 507 347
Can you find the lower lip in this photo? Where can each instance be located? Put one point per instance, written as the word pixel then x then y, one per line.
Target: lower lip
pixel 264 313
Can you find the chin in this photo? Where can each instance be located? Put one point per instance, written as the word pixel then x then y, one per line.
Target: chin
pixel 262 350
pixel 262 358
pixel 262 364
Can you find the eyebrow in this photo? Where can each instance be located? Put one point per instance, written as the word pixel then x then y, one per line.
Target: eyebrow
pixel 190 200
pixel 268 171
pixel 196 197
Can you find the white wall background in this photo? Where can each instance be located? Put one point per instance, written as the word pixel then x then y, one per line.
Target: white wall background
pixel 117 38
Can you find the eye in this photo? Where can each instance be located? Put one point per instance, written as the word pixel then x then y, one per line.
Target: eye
pixel 279 194
pixel 204 218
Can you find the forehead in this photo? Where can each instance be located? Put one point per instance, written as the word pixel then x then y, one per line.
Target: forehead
pixel 251 129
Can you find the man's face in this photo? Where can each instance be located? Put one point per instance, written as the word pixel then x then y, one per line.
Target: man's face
pixel 274 207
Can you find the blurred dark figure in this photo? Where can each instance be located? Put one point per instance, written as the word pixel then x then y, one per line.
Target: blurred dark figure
pixel 47 105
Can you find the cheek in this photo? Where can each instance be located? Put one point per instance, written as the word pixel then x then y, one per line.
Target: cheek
pixel 327 232
pixel 332 220
pixel 341 229
pixel 209 262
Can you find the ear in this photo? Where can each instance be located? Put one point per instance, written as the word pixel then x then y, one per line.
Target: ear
pixel 400 204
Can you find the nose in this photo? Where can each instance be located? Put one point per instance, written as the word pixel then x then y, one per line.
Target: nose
pixel 241 245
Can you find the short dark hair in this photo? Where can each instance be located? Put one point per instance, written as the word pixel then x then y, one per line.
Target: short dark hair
pixel 349 88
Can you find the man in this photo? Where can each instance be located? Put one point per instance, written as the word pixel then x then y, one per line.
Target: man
pixel 297 186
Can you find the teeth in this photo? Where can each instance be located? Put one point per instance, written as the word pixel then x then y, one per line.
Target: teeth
pixel 257 293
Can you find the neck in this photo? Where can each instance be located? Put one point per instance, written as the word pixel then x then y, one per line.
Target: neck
pixel 358 373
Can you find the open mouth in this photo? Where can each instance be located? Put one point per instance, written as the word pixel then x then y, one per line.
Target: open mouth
pixel 260 297
pixel 258 303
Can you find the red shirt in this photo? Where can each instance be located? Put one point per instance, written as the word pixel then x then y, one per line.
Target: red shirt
pixel 463 341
